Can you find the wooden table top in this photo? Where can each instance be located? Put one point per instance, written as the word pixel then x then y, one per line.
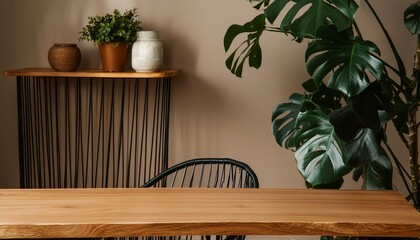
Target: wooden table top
pixel 66 213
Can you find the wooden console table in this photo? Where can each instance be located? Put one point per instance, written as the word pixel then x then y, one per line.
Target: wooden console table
pixel 74 213
pixel 91 128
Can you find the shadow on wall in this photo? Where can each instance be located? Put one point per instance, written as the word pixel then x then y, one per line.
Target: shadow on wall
pixel 192 132
pixel 177 52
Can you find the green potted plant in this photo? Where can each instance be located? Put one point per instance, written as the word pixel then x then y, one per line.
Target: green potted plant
pixel 113 34
pixel 338 124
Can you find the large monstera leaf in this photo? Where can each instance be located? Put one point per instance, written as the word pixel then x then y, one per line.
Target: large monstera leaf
pixel 346 59
pixel 321 156
pixel 305 16
pixel 285 114
pixel 302 126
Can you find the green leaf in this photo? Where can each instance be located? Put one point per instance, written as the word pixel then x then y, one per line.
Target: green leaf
pixel 334 185
pixel 412 18
pixel 229 60
pixel 401 118
pixel 321 157
pixel 261 3
pixel 370 160
pixel 310 86
pixel 305 17
pixel 232 32
pixel 328 98
pixel 345 59
pixel 255 25
pixel 284 121
pixel 249 49
pixel 109 28
pixel 302 126
pixel 238 71
pixel 377 175
pixel 255 55
pixel 274 9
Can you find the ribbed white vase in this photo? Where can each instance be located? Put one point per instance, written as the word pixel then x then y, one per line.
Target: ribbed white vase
pixel 147 52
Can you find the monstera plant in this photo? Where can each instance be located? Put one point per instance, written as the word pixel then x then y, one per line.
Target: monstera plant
pixel 339 123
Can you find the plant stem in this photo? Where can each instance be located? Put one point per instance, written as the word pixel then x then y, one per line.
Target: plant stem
pixel 357 29
pixel 412 148
pixel 412 134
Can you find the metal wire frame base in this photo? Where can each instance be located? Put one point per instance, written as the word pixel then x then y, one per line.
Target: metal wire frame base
pixel 92 132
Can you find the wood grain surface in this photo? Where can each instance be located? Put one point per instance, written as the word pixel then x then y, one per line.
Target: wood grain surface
pixel 91 73
pixel 67 213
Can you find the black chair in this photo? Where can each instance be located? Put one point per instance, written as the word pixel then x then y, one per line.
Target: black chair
pixel 206 173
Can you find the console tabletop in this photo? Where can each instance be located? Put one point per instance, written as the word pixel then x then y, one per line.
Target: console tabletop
pixel 94 73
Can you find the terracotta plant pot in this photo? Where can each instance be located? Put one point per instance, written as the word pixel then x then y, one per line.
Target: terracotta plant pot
pixel 113 57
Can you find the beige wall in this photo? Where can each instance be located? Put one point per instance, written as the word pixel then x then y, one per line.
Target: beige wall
pixel 213 113
pixel 8 114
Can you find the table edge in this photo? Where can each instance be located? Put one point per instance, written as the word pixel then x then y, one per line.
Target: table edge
pixel 90 73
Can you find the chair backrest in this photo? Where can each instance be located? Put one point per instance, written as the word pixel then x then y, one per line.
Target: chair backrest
pixel 207 173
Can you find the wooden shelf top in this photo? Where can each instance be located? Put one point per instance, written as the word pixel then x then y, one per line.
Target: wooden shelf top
pixel 90 73
pixel 75 213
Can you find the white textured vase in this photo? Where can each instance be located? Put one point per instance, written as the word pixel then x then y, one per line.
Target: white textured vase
pixel 147 52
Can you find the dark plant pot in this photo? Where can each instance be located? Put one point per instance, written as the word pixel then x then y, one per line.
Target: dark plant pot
pixel 113 57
